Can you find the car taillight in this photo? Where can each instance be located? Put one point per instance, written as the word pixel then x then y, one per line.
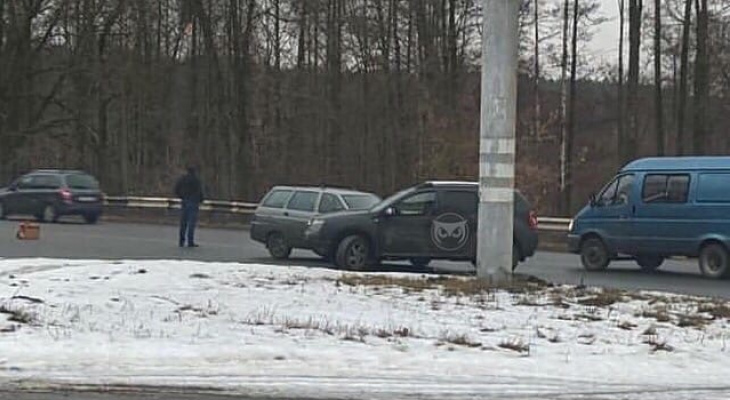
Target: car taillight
pixel 532 219
pixel 66 196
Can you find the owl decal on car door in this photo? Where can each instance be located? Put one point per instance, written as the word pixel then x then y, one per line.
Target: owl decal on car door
pixel 450 231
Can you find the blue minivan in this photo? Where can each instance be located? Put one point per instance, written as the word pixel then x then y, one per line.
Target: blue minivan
pixel 656 208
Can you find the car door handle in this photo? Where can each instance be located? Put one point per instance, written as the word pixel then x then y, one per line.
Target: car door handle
pixel 286 214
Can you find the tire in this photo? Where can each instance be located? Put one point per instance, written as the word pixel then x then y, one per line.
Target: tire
pixel 714 261
pixel 2 211
pixel 516 256
pixel 420 262
pixel 91 218
pixel 594 255
pixel 353 253
pixel 649 263
pixel 277 246
pixel 49 214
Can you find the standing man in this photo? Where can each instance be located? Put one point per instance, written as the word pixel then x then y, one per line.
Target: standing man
pixel 189 189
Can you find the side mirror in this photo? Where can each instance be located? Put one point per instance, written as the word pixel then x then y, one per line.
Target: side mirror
pixel 593 200
pixel 390 211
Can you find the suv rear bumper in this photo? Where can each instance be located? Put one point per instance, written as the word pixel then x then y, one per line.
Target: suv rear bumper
pixel 79 209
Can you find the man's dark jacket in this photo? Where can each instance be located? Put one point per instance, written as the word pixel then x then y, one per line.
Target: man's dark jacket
pixel 189 189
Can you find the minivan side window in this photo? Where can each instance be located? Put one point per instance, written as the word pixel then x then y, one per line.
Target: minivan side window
pixel 665 188
pixel 277 199
pixel 330 203
pixel 617 192
pixel 303 201
pixel 713 188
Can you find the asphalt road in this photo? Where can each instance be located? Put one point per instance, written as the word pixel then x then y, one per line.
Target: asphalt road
pixel 138 241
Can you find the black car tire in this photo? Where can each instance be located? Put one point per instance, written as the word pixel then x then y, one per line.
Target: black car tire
pixel 2 211
pixel 649 263
pixel 277 246
pixel 353 253
pixel 516 256
pixel 594 255
pixel 420 262
pixel 714 261
pixel 48 214
pixel 91 218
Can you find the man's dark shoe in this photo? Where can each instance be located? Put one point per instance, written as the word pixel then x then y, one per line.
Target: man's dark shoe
pixel 193 245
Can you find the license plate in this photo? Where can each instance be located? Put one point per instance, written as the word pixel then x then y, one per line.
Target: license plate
pixel 87 198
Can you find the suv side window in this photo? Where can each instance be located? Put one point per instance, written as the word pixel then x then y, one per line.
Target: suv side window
pixel 45 182
pixel 303 201
pixel 330 203
pixel 417 204
pixel 26 182
pixel 463 202
pixel 665 188
pixel 277 199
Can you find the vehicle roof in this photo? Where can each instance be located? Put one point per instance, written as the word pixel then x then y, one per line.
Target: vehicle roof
pixel 57 171
pixel 330 189
pixel 678 163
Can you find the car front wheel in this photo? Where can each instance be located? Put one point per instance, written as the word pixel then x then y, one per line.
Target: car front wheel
pixel 594 255
pixel 2 211
pixel 353 253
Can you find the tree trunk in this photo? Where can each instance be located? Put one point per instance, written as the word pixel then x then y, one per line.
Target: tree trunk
pixel 571 113
pixel 635 10
pixel 536 117
pixel 621 128
pixel 564 109
pixel 683 77
pixel 702 80
pixel 658 106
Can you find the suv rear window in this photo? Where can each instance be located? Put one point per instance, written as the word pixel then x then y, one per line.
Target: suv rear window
pixel 81 181
pixel 360 201
pixel 303 201
pixel 277 198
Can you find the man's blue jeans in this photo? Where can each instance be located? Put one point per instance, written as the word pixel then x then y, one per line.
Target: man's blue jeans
pixel 188 220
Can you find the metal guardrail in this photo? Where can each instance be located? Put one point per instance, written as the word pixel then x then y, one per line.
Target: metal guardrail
pixel 553 224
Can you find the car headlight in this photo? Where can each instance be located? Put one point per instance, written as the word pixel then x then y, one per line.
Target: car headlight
pixel 570 225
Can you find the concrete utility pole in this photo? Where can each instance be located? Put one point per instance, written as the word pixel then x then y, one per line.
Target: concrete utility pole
pixel 497 139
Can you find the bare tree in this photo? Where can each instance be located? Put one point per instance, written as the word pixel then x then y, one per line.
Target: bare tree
pixel 684 76
pixel 635 13
pixel 658 106
pixel 702 79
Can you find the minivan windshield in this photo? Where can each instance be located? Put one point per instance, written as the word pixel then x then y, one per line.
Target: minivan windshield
pixel 82 181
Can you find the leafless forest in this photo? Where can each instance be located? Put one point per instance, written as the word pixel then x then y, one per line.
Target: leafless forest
pixel 375 94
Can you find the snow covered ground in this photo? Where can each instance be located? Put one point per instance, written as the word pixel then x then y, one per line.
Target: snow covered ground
pixel 308 332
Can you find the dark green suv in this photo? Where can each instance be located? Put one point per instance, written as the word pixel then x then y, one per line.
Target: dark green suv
pixel 430 221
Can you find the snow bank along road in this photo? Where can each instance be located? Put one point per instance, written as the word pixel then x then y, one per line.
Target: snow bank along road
pixel 130 241
pixel 302 332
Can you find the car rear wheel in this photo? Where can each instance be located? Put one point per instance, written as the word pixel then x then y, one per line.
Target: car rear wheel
pixel 516 256
pixel 594 255
pixel 714 261
pixel 649 263
pixel 2 211
pixel 353 253
pixel 278 248
pixel 49 214
pixel 91 218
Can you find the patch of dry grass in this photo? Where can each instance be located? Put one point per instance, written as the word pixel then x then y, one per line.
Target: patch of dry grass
pixel 450 286
pixel 17 314
pixel 605 298
pixel 716 310
pixel 515 344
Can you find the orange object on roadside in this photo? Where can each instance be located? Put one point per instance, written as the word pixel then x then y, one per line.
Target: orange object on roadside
pixel 29 231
